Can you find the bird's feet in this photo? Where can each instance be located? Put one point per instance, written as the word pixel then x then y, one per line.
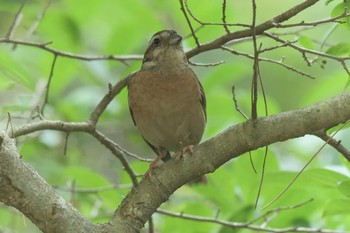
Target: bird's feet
pixel 152 166
pixel 179 154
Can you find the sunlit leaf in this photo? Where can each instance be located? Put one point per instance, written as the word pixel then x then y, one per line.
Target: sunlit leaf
pixel 328 1
pixel 306 42
pixel 337 207
pixel 340 9
pixel 344 188
pixel 341 49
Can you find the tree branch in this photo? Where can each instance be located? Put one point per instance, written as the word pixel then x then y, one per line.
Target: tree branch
pixel 144 199
pixel 44 46
pixel 217 43
pixel 79 127
pixel 250 225
pixel 23 188
pixel 210 155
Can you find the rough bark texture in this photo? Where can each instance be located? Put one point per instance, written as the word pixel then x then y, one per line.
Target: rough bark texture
pixel 22 188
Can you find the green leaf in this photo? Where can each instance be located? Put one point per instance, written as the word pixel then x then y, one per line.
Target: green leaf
pixel 344 188
pixel 324 177
pixel 341 49
pixel 306 42
pixel 337 207
pixel 340 9
pixel 328 1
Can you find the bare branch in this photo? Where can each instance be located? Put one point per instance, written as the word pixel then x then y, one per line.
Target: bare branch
pixel 38 20
pixel 260 29
pixel 46 100
pixel 206 64
pixel 305 51
pixel 94 190
pixel 334 143
pixel 291 68
pixel 256 73
pixel 302 170
pixel 237 225
pixel 214 24
pixel 224 16
pixel 236 104
pixel 189 23
pixel 113 91
pixel 79 127
pixel 279 209
pixel 315 23
pixel 17 19
pixel 43 46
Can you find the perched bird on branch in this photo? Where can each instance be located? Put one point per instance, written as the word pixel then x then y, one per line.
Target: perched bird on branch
pixel 166 100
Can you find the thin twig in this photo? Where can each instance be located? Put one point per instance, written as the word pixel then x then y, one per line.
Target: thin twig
pixel 305 51
pixel 44 46
pixel 279 209
pixel 189 23
pixel 276 46
pixel 119 154
pixel 245 117
pixel 236 225
pixel 9 124
pixel 102 105
pixel 66 143
pixel 301 171
pixel 254 87
pixel 196 30
pixel 38 19
pixel 315 23
pixel 212 24
pixel 262 177
pixel 260 29
pixel 131 154
pixel 46 100
pixel 236 104
pixel 334 143
pixel 95 190
pixel 271 61
pixel 206 64
pixel 79 127
pixel 150 225
pixel 17 19
pixel 224 16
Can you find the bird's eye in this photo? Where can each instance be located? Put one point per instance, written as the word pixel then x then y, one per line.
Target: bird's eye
pixel 156 41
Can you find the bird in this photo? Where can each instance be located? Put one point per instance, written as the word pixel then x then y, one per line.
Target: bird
pixel 166 100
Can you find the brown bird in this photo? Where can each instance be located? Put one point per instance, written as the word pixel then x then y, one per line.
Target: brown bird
pixel 166 100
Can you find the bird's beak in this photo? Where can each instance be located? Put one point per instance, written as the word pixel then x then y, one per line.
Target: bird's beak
pixel 175 39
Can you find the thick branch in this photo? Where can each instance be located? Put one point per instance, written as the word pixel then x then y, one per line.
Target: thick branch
pixel 143 200
pixel 23 188
pixel 49 211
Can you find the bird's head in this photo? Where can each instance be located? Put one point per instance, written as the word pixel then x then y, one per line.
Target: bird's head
pixel 164 51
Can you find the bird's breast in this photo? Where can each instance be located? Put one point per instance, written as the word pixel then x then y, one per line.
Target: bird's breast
pixel 166 108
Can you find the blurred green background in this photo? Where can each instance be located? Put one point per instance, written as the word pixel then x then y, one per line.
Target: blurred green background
pixel 124 27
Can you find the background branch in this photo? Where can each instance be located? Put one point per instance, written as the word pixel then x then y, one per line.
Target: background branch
pixel 44 46
pixel 217 43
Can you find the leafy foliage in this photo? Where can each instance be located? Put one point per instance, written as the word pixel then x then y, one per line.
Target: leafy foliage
pixel 124 27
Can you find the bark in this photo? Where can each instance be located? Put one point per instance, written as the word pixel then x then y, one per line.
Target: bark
pixel 22 188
